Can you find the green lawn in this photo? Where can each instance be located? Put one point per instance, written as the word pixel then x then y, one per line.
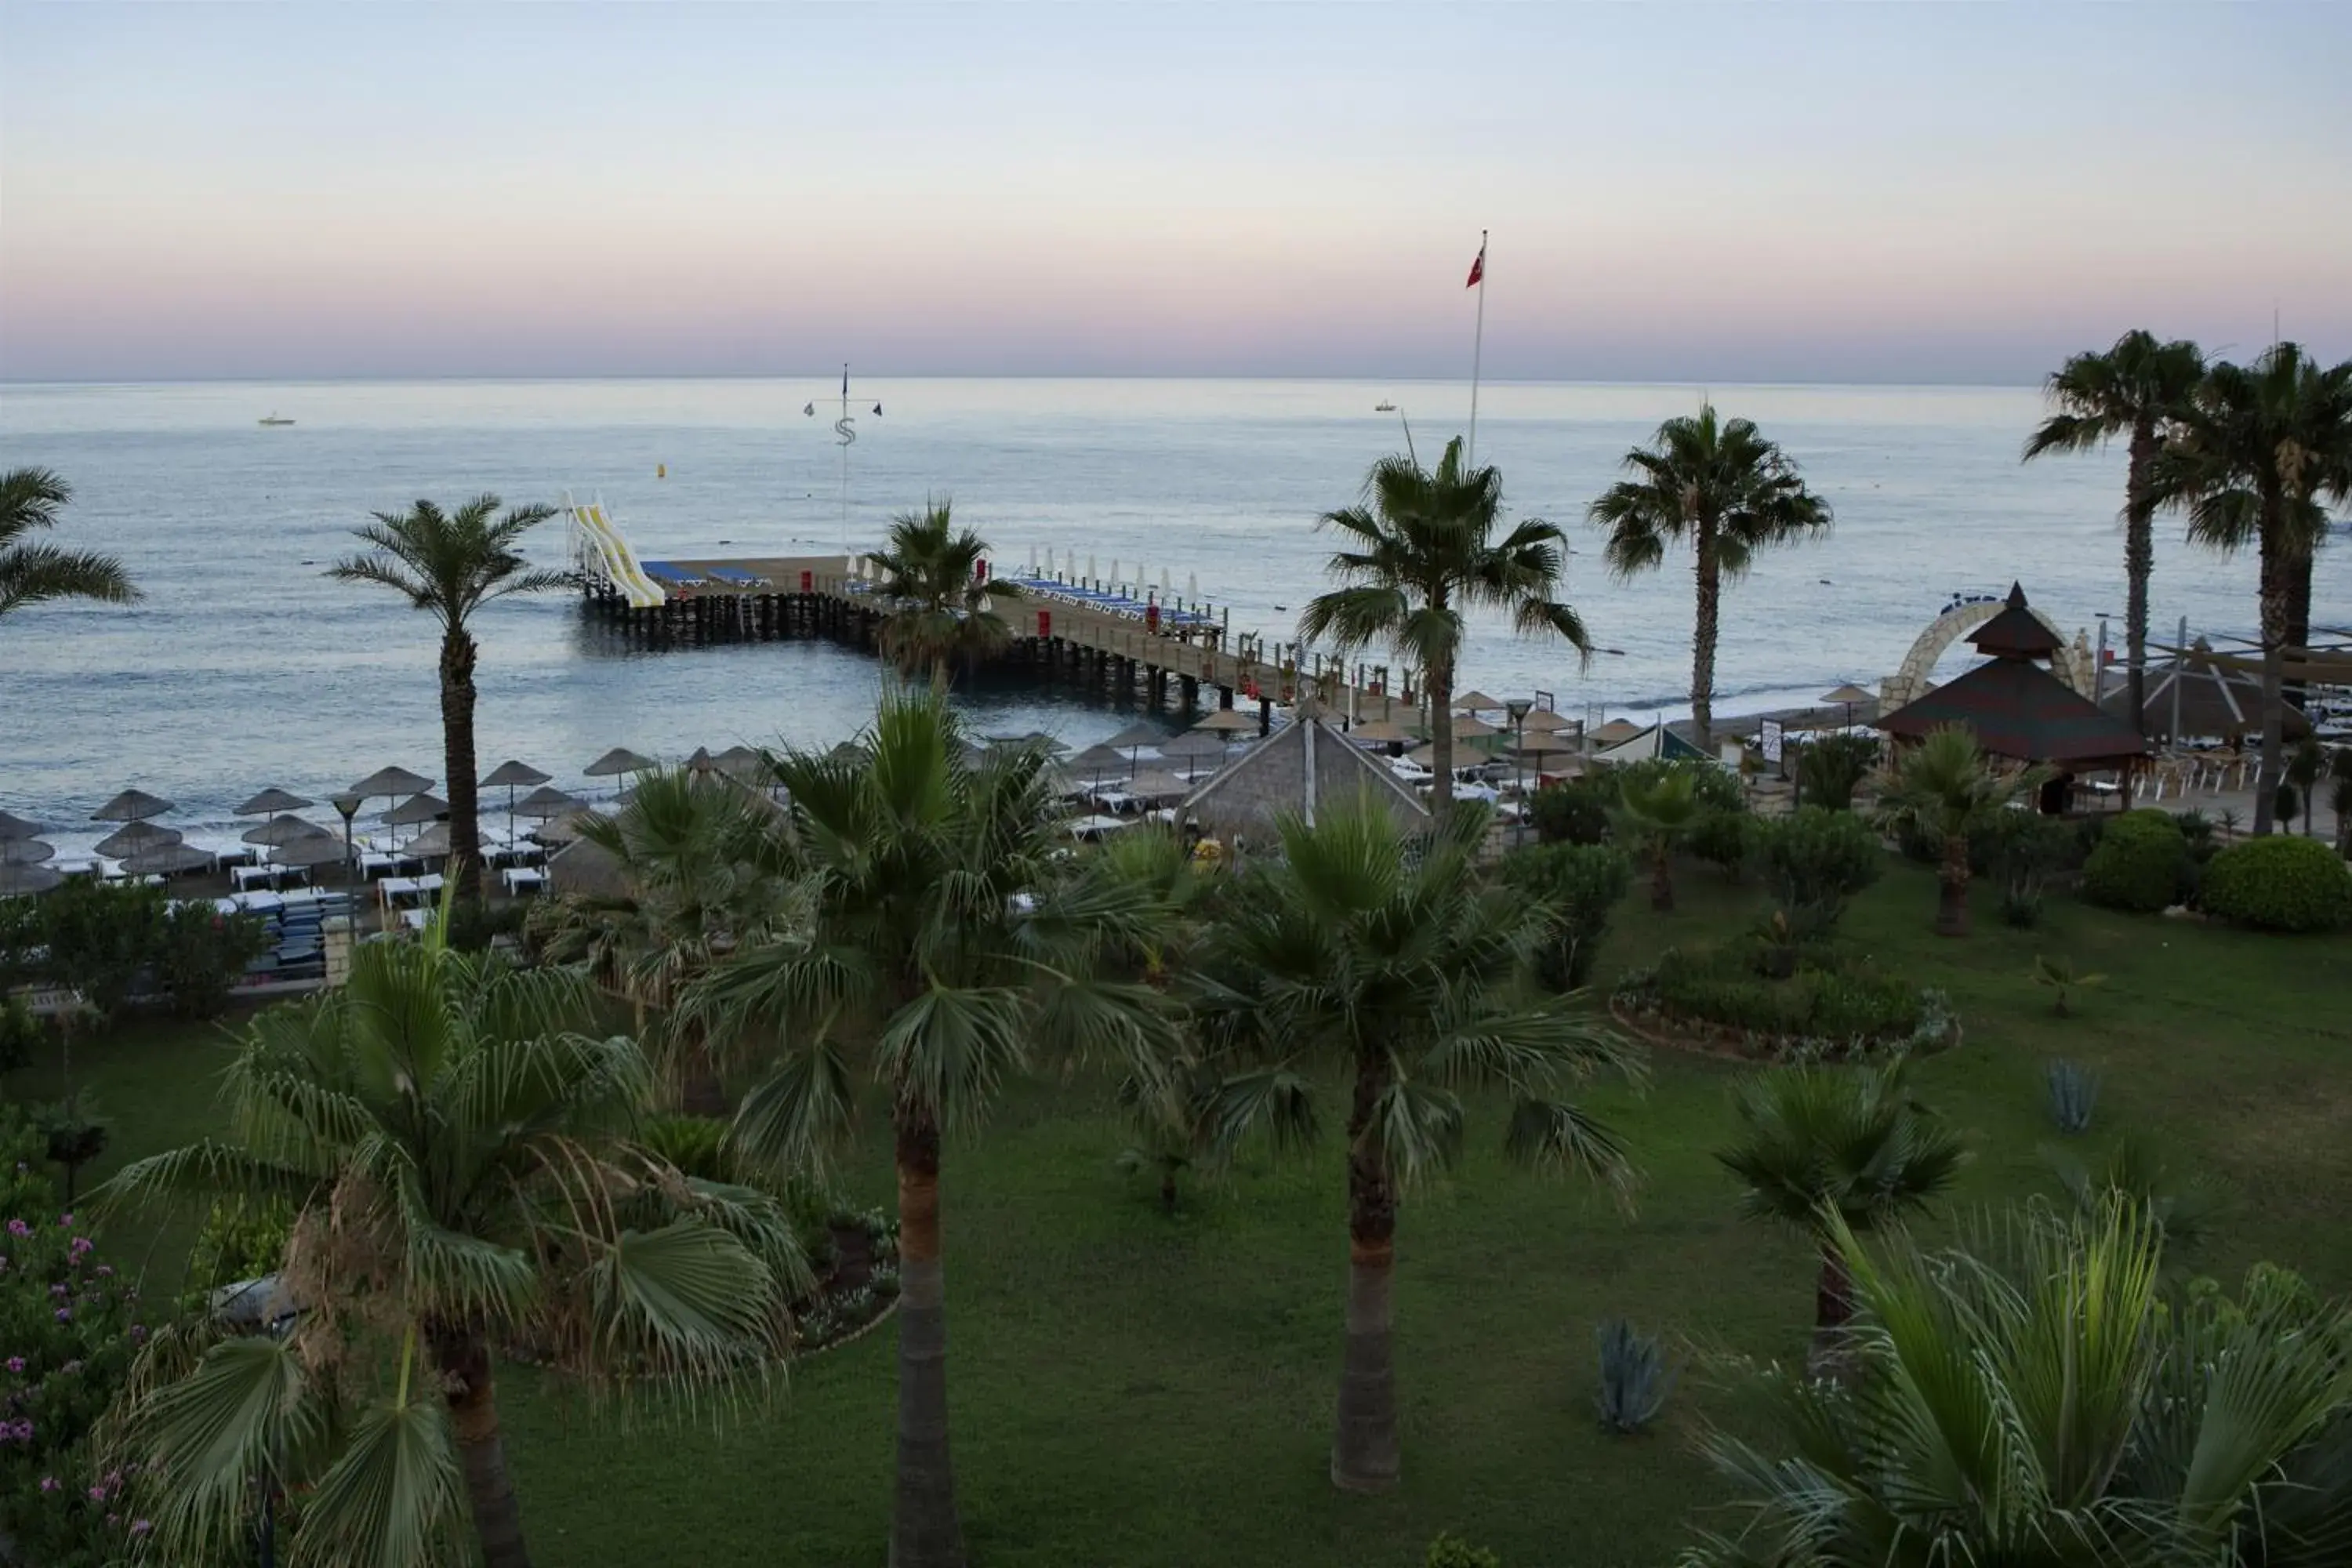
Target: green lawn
pixel 1130 1389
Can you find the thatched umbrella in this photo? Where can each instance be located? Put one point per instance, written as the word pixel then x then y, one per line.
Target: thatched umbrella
pixel 1100 762
pixel 1473 701
pixel 1225 721
pixel 13 827
pixel 511 775
pixel 619 759
pixel 1541 743
pixel 1383 731
pixel 1547 721
pixel 701 762
pixel 270 801
pixel 1192 743
pixel 135 836
pixel 1156 784
pixel 563 830
pixel 1846 696
pixel 307 852
pixel 284 829
pixel 167 860
pixel 390 783
pixel 741 764
pixel 431 844
pixel 24 851
pixel 17 880
pixel 544 803
pixel 1469 727
pixel 130 806
pixel 1615 733
pixel 417 808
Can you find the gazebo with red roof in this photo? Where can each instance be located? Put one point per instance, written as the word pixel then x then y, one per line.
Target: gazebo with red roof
pixel 2017 708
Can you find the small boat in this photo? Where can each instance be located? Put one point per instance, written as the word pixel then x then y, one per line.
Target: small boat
pixel 1384 407
pixel 273 418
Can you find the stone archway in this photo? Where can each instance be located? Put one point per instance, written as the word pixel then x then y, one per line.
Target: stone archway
pixel 2072 663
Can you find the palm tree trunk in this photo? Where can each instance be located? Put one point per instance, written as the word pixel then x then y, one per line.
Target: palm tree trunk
pixel 2298 614
pixel 924 1529
pixel 1703 635
pixel 2277 591
pixel 1952 887
pixel 1662 881
pixel 463 1357
pixel 458 657
pixel 1364 1447
pixel 1833 1312
pixel 1441 736
pixel 2139 565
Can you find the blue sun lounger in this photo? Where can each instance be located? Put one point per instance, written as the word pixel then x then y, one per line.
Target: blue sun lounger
pixel 736 577
pixel 669 575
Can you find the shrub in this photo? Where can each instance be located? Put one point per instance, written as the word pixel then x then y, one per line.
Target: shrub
pixel 1450 1550
pixel 1574 811
pixel 697 1146
pixel 21 1033
pixel 2074 1095
pixel 101 937
pixel 242 1238
pixel 1715 787
pixel 2138 864
pixel 1817 858
pixel 201 954
pixel 1721 837
pixel 1578 885
pixel 69 1329
pixel 1830 769
pixel 1634 1378
pixel 2280 883
pixel 1839 1006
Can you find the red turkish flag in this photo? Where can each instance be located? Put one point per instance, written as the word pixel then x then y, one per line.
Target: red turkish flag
pixel 1477 268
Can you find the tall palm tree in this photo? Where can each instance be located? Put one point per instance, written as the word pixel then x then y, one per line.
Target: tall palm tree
pixel 461 1161
pixel 2037 1399
pixel 694 874
pixel 450 564
pixel 1730 493
pixel 2257 450
pixel 1836 1142
pixel 943 610
pixel 1654 815
pixel 34 574
pixel 1944 789
pixel 1405 975
pixel 948 938
pixel 1422 551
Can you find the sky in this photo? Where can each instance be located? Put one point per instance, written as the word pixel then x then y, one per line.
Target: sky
pixel 1849 193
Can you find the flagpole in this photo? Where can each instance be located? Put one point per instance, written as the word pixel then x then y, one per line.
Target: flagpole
pixel 1477 348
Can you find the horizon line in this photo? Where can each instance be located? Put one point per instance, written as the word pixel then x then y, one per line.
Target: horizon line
pixel 371 378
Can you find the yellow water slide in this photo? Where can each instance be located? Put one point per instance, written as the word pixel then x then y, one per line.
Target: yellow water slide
pixel 605 553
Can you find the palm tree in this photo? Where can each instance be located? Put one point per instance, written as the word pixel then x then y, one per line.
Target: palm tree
pixel 1842 1143
pixel 1421 553
pixel 1729 492
pixel 35 573
pixel 2136 390
pixel 1654 814
pixel 694 875
pixel 2037 1400
pixel 461 1162
pixel 2257 449
pixel 1944 789
pixel 1406 975
pixel 948 938
pixel 451 564
pixel 942 609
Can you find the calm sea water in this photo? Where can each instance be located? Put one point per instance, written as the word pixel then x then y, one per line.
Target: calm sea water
pixel 245 666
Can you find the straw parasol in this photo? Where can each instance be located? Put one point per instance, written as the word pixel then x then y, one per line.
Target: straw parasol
pixel 433 842
pixel 166 860
pixel 619 759
pixel 132 838
pixel 1615 731
pixel 1544 721
pixel 1380 730
pixel 15 827
pixel 563 830
pixel 544 803
pixel 307 852
pixel 1540 742
pixel 1472 728
pixel 1846 697
pixel 1225 721
pixel 1137 735
pixel 511 775
pixel 740 763
pixel 417 808
pixel 1192 743
pixel 270 801
pixel 1156 784
pixel 20 879
pixel 1474 699
pixel 701 762
pixel 391 781
pixel 1425 756
pixel 24 851
pixel 130 806
pixel 1093 762
pixel 282 829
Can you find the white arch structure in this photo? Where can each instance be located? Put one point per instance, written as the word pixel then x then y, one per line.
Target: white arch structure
pixel 2073 664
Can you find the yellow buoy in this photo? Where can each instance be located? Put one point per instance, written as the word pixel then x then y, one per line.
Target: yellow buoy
pixel 661 471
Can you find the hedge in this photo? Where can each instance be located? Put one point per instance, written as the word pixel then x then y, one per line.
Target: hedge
pixel 2138 865
pixel 2280 883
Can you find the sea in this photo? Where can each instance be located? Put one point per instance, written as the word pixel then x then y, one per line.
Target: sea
pixel 244 664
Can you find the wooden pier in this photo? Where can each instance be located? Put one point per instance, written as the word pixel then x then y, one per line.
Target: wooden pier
pixel 1119 657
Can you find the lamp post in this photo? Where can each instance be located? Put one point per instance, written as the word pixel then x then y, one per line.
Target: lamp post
pixel 1518 706
pixel 349 805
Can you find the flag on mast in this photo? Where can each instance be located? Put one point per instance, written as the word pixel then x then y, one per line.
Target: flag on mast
pixel 1478 266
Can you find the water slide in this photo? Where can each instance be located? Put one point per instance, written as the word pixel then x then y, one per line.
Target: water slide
pixel 599 550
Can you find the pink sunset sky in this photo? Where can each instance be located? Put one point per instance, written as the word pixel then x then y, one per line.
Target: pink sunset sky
pixel 1754 192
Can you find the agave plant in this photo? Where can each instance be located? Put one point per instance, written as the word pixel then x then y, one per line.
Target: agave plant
pixel 2074 1095
pixel 1634 1378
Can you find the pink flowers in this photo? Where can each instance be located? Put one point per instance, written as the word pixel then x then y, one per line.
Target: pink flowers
pixel 18 1227
pixel 49 1483
pixel 15 1364
pixel 65 1314
pixel 16 1431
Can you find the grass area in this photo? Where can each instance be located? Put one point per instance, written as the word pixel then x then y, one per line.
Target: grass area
pixel 1133 1389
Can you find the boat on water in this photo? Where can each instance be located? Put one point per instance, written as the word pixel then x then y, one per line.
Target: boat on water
pixel 1384 407
pixel 273 417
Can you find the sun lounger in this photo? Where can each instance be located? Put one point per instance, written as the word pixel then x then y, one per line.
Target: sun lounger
pixel 523 878
pixel 671 576
pixel 736 577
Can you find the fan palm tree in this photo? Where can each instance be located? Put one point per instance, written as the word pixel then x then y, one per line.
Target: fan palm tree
pixel 1405 975
pixel 1819 1144
pixel 1944 789
pixel 1653 814
pixel 695 874
pixel 1730 493
pixel 450 564
pixel 947 939
pixel 2257 450
pixel 2037 1400
pixel 1422 551
pixel 2136 390
pixel 35 573
pixel 942 609
pixel 461 1164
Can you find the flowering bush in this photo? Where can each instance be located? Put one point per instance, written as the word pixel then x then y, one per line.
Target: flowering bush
pixel 68 1328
